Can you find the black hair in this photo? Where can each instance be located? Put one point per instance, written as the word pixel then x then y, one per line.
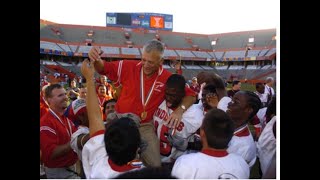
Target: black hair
pixel 122 140
pixel 176 81
pixel 218 127
pixel 254 102
pixel 210 87
pixel 258 84
pixel 271 109
pixel 235 83
pixel 106 102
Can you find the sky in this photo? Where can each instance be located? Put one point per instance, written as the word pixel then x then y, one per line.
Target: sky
pixel 190 16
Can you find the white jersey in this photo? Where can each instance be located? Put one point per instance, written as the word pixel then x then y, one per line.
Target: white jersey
pixel 268 89
pixel 190 123
pixel 263 97
pixel 266 146
pixel 74 140
pixel 223 103
pixel 210 164
pixel 261 114
pixel 242 143
pixel 96 163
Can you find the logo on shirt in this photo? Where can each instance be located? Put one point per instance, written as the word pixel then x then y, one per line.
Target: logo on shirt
pixel 158 86
pixel 162 114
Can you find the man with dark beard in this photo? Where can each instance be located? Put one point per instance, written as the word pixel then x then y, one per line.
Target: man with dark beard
pixel 55 134
pixel 109 110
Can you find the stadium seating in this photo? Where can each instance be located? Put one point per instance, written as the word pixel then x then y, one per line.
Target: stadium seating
pixel 218 55
pixel 64 47
pixel 84 49
pixel 168 52
pixel 271 51
pixel 174 41
pixel 184 53
pixel 201 54
pixel 234 54
pixel 110 50
pixel 202 41
pixel 231 56
pixel 130 51
pixel 253 53
pixel 50 45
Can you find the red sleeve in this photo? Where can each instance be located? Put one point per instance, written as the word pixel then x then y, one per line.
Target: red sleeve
pixel 111 70
pixel 48 142
pixel 43 110
pixel 190 92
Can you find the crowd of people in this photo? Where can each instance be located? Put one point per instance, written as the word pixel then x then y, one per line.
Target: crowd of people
pixel 138 120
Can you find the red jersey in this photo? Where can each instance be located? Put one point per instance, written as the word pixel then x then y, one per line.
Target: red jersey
pixel 179 71
pixel 54 132
pixel 129 76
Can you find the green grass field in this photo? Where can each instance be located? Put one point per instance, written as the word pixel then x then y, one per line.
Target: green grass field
pixel 244 87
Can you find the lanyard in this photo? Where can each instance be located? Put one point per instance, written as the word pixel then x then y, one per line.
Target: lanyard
pixel 143 101
pixel 69 131
pixel 45 101
pixel 101 103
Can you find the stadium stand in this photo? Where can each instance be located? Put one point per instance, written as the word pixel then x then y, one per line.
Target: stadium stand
pixel 110 50
pixel 201 54
pixel 168 52
pixel 184 53
pixel 130 51
pixel 232 55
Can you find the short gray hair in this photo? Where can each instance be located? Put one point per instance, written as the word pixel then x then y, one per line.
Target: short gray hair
pixel 153 45
pixel 269 79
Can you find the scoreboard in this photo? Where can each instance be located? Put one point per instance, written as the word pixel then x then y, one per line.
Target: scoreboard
pixel 153 21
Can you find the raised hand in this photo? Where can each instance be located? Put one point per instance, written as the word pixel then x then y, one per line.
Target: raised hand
pixel 95 57
pixel 87 69
pixel 175 118
pixel 212 99
pixel 95 53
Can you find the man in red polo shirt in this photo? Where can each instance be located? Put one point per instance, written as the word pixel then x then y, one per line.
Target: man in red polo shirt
pixel 143 89
pixel 55 135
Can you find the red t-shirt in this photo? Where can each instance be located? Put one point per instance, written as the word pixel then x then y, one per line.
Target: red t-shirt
pixel 130 100
pixel 52 134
